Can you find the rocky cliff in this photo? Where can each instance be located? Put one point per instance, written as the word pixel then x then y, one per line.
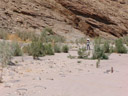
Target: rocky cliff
pixel 69 18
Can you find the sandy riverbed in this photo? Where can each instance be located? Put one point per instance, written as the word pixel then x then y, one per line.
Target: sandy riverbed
pixel 60 76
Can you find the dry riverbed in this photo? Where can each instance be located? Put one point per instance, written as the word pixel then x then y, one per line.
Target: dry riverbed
pixel 60 76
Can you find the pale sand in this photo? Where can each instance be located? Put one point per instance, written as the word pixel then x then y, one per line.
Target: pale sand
pixel 60 76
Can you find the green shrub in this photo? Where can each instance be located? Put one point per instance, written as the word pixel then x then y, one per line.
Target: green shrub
pixel 26 35
pixel 6 54
pixel 37 49
pixel 44 36
pixel 82 53
pixel 57 48
pixel 106 47
pixel 120 48
pixel 17 49
pixel 65 49
pixel 49 50
pixel 98 52
pixel 47 35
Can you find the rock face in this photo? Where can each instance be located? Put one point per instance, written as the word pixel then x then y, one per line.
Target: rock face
pixel 69 18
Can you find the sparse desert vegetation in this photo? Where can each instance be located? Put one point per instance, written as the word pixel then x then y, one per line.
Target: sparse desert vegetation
pixel 48 43
pixel 82 53
pixel 63 47
pixel 17 49
pixel 99 50
pixel 49 55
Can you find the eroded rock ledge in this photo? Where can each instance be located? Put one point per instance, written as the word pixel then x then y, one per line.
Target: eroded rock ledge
pixel 69 18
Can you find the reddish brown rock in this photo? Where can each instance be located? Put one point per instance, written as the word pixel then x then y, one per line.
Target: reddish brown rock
pixel 69 18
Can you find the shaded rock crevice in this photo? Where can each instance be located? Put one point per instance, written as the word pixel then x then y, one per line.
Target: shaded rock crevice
pixel 95 18
pixel 25 13
pixel 84 12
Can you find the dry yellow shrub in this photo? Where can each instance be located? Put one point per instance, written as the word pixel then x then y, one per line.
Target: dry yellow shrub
pixel 14 37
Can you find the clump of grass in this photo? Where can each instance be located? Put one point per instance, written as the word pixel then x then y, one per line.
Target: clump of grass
pixel 120 48
pixel 49 50
pixel 57 48
pixel 6 54
pixel 17 49
pixel 65 49
pixel 26 35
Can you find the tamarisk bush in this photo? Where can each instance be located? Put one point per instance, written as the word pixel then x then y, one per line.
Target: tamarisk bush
pixel 120 48
pixel 17 49
pixel 37 49
pixel 98 52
